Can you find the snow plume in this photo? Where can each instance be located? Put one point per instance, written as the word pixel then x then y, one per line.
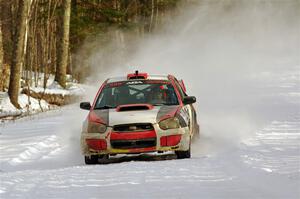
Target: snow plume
pixel 226 51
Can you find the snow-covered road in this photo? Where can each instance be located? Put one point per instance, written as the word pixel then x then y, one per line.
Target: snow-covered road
pixel 40 157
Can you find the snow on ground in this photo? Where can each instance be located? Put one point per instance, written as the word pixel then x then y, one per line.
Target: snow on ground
pixel 32 105
pixel 55 88
pixel 28 105
pixel 40 158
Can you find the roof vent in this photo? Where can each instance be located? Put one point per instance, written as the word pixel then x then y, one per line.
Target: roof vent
pixel 134 107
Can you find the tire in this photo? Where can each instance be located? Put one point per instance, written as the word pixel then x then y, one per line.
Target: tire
pixel 93 159
pixel 184 154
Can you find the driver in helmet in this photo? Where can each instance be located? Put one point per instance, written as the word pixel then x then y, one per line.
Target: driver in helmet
pixel 158 95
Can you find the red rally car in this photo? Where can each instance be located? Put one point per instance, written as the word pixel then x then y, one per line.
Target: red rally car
pixel 139 113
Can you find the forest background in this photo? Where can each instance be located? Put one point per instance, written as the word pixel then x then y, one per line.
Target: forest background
pixel 40 39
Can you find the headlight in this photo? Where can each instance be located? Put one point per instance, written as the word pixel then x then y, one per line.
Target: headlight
pixel 170 123
pixel 96 127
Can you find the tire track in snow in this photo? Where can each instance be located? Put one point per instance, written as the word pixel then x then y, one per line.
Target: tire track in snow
pixel 275 148
pixel 47 146
pixel 29 141
pixel 128 178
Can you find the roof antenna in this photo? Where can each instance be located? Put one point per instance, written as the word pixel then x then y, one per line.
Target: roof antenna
pixel 136 72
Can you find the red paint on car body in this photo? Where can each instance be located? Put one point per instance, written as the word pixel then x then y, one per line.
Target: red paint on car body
pixel 181 82
pixel 132 135
pixel 97 144
pixel 137 75
pixel 98 93
pixel 171 140
pixel 172 79
pixel 92 117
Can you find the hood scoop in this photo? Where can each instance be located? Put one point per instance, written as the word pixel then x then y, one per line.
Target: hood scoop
pixel 134 107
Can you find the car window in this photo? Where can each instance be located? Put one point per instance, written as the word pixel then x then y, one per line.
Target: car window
pixel 136 92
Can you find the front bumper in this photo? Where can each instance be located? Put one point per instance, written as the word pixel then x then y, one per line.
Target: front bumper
pixel 142 142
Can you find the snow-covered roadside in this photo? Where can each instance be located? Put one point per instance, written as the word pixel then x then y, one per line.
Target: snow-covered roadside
pixel 55 88
pixel 30 105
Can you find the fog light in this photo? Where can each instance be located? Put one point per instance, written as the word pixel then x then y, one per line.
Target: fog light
pixel 97 144
pixel 171 140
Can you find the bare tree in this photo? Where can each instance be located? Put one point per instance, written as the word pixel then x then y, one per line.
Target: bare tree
pixel 152 16
pixel 18 52
pixel 61 69
pixel 1 58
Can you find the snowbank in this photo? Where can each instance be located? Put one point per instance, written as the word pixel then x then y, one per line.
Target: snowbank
pixel 35 104
pixel 55 88
pixel 28 105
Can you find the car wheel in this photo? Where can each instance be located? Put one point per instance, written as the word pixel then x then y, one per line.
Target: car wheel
pixel 184 154
pixel 93 159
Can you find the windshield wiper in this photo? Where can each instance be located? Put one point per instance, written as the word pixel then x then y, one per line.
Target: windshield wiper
pixel 104 107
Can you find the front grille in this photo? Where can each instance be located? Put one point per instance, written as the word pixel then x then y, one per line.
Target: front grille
pixel 131 144
pixel 133 127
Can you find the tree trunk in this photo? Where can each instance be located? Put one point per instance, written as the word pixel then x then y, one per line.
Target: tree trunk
pixel 1 60
pixel 61 69
pixel 151 17
pixel 15 76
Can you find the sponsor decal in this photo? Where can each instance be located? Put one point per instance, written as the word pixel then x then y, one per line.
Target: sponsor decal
pixel 117 84
pixel 134 82
pixel 114 84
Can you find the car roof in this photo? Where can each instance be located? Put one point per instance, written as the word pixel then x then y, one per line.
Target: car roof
pixel 150 77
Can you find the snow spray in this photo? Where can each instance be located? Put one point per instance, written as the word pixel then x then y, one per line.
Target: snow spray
pixel 227 53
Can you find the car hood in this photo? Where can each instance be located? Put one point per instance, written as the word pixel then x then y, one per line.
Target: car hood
pixel 113 117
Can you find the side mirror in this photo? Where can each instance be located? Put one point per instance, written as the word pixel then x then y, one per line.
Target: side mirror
pixel 189 100
pixel 85 105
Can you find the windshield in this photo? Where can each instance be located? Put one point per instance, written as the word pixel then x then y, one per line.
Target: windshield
pixel 137 92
